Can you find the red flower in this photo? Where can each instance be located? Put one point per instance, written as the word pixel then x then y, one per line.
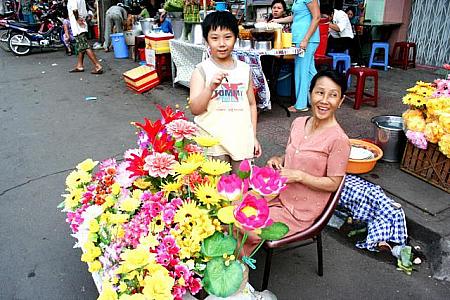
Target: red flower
pixel 169 115
pixel 152 129
pixel 163 143
pixel 136 164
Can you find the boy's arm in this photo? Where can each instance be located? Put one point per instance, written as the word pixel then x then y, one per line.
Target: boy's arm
pixel 201 92
pixel 254 115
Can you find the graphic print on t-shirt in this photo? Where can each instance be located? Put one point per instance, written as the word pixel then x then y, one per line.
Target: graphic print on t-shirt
pixel 230 92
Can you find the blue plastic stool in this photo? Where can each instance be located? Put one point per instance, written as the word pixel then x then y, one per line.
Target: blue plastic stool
pixel 340 57
pixel 383 63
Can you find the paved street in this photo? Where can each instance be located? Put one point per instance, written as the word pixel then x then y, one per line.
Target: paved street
pixel 47 127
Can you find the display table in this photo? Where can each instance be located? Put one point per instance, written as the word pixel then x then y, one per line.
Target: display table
pixel 185 56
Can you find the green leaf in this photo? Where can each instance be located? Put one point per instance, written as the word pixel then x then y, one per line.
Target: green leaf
pixel 179 144
pixel 182 155
pixel 221 280
pixel 274 232
pixel 61 205
pixel 218 244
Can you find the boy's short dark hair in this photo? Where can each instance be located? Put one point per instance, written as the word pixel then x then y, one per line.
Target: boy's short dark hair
pixel 326 9
pixel 334 76
pixel 220 19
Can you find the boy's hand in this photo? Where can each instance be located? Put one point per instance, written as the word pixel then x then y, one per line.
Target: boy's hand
pixel 217 80
pixel 275 162
pixel 257 150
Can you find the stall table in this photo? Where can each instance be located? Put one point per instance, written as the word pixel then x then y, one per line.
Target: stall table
pixel 185 57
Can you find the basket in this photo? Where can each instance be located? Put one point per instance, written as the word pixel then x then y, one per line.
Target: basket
pixel 429 165
pixel 356 166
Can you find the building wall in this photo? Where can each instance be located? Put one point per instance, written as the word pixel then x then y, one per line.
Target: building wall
pixel 398 11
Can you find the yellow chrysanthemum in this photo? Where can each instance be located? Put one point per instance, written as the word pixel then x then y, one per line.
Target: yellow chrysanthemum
pixel 129 204
pixel 77 178
pixel 416 124
pixel 226 214
pixel 208 194
pixel 72 199
pixel 87 165
pixel 216 167
pixel 136 296
pixel 90 252
pixel 137 193
pixel 150 241
pixel 158 286
pixel 425 92
pixel 118 218
pixel 108 292
pixel 133 259
pixel 444 122
pixel 94 226
pixel 444 145
pixel 94 266
pixel 206 141
pixel 142 184
pixel 171 187
pixel 156 225
pixel 186 168
pixel 110 200
pixel 195 158
pixel 188 209
pixel 420 83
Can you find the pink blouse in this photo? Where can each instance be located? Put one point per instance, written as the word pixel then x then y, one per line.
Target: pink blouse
pixel 322 154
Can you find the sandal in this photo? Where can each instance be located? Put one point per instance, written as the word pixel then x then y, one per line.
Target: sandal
pixel 292 109
pixel 98 72
pixel 76 70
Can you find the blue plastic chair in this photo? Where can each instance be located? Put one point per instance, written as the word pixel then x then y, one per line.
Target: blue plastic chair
pixel 341 57
pixel 383 63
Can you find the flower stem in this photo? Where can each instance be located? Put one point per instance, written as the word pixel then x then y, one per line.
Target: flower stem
pixel 257 248
pixel 244 238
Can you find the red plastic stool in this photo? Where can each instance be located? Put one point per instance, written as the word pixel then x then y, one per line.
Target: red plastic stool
pixel 360 96
pixel 139 43
pixel 163 66
pixel 401 55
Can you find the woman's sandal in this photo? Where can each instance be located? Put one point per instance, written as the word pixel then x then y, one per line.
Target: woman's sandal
pixel 98 72
pixel 292 109
pixel 76 70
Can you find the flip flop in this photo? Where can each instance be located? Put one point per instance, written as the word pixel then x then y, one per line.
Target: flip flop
pixel 98 72
pixel 294 110
pixel 76 70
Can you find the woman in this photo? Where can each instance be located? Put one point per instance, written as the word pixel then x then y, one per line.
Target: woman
pixel 315 159
pixel 305 35
pixel 279 10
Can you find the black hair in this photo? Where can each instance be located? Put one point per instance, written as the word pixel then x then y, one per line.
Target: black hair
pixel 334 76
pixel 281 2
pixel 326 9
pixel 352 9
pixel 220 19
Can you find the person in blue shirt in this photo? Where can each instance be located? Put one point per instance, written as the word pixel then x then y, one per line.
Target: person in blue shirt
pixel 163 22
pixel 305 35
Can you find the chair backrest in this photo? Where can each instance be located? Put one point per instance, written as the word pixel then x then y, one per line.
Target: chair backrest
pixel 318 224
pixel 324 24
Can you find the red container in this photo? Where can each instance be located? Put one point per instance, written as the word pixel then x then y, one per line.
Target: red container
pixel 324 24
pixel 96 31
pixel 141 54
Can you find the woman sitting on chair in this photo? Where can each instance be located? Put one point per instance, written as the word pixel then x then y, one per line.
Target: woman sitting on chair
pixel 315 159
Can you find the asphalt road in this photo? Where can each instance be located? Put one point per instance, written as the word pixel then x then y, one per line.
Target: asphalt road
pixel 47 127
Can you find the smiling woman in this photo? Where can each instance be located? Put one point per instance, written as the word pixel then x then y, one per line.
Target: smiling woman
pixel 315 159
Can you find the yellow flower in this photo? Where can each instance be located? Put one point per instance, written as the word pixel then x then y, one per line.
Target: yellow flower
pixel 87 165
pixel 110 200
pixel 137 193
pixel 136 296
pixel 444 145
pixel 73 199
pixel 135 258
pixel 150 241
pixel 216 167
pixel 94 266
pixel 94 226
pixel 416 124
pixel 433 132
pixel 208 194
pixel 122 286
pixel 171 187
pixel 195 158
pixel 444 122
pixel 107 292
pixel 206 141
pixel 77 178
pixel 158 285
pixel 115 188
pixel 118 218
pixel 189 209
pixel 226 214
pixel 157 225
pixel 186 168
pixel 90 252
pixel 142 184
pixel 130 204
pixel 423 84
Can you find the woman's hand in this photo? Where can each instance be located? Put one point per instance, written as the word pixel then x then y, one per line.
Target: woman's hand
pixel 275 162
pixel 274 21
pixel 303 44
pixel 292 175
pixel 257 149
pixel 217 80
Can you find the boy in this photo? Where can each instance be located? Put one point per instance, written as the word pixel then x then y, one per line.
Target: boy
pixel 221 94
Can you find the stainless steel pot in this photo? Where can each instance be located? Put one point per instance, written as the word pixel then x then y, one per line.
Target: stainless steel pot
pixel 389 136
pixel 146 25
pixel 263 45
pixel 197 34
pixel 245 44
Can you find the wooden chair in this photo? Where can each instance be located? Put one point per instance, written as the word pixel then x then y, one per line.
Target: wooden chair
pixel 303 238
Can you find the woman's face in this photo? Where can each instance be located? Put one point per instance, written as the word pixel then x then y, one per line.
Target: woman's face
pixel 277 10
pixel 326 97
pixel 350 14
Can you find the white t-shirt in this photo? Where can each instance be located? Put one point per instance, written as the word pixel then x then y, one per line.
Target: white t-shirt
pixel 341 19
pixel 79 5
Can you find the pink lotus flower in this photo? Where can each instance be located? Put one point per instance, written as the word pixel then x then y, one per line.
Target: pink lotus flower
pixel 182 129
pixel 159 164
pixel 417 139
pixel 230 187
pixel 244 169
pixel 267 181
pixel 252 213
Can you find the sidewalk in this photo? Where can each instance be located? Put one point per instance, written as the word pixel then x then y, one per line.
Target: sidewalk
pixel 427 208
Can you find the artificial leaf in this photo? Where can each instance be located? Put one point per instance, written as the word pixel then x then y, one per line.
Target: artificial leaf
pixel 218 244
pixel 221 280
pixel 274 232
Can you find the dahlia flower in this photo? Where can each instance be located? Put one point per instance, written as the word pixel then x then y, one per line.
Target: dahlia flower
pixel 159 164
pixel 182 129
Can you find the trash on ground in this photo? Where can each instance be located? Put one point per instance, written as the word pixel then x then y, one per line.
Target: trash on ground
pixel 43 72
pixel 417 261
pixel 90 98
pixel 54 65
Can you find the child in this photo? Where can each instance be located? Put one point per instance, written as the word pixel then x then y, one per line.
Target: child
pixel 69 40
pixel 221 94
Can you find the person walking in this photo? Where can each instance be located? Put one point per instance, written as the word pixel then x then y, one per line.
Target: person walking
pixel 77 15
pixel 116 15
pixel 305 35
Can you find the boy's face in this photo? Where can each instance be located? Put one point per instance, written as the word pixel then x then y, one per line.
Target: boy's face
pixel 221 41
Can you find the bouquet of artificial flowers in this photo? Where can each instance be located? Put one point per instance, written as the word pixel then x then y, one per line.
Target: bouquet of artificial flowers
pixel 159 223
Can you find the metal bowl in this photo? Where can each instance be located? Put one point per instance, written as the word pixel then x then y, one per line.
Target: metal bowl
pixel 263 45
pixel 245 44
pixel 263 34
pixel 248 25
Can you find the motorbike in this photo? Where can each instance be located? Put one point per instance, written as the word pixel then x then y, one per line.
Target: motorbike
pixel 24 37
pixel 9 9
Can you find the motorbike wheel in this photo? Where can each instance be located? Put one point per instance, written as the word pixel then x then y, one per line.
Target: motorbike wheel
pixel 19 44
pixel 4 38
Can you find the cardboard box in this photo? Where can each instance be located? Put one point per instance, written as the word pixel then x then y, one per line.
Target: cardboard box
pixel 141 79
